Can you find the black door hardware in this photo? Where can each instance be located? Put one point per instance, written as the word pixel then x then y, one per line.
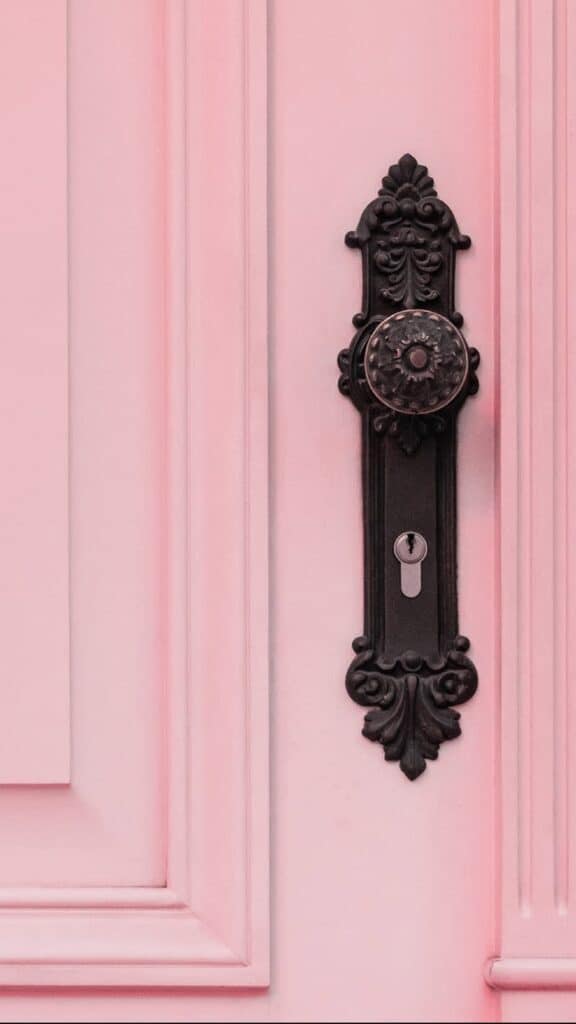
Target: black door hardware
pixel 408 371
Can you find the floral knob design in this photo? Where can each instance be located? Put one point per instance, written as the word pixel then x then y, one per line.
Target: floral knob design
pixel 416 362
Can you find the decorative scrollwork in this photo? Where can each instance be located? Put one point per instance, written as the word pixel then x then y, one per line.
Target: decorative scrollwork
pixel 344 367
pixel 408 259
pixel 408 200
pixel 416 361
pixel 408 431
pixel 412 700
pixel 408 236
pixel 408 371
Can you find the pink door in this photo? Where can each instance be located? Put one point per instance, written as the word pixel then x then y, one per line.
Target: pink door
pixel 192 826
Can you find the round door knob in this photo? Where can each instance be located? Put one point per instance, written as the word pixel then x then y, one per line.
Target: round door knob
pixel 416 362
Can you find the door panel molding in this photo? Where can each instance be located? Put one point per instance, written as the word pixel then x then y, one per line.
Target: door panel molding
pixel 209 924
pixel 537 496
pixel 528 974
pixel 34 399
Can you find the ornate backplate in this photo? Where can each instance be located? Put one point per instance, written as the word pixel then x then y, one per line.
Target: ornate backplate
pixel 408 370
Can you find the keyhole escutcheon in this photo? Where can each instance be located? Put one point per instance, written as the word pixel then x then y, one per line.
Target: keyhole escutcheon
pixel 410 549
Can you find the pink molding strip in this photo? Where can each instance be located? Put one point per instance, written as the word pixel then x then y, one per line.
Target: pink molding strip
pixel 34 528
pixel 522 973
pixel 209 926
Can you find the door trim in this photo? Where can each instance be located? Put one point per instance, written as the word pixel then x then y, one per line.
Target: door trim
pixel 209 924
pixel 537 94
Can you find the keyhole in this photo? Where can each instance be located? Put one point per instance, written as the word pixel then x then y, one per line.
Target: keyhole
pixel 410 549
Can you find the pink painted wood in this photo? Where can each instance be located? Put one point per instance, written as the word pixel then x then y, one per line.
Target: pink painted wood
pixel 81 835
pixel 538 919
pixel 34 533
pixel 147 876
pixel 164 826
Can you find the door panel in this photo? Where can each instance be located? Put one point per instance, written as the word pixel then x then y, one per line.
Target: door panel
pixel 34 534
pixel 203 527
pixel 148 865
pixel 159 839
pixel 384 868
pixel 85 150
pixel 166 188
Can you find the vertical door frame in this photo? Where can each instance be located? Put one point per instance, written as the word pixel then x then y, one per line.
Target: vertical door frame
pixel 537 96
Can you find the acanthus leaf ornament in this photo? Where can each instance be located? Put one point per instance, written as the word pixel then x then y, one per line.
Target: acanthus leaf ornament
pixel 409 263
pixel 412 700
pixel 409 370
pixel 407 234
